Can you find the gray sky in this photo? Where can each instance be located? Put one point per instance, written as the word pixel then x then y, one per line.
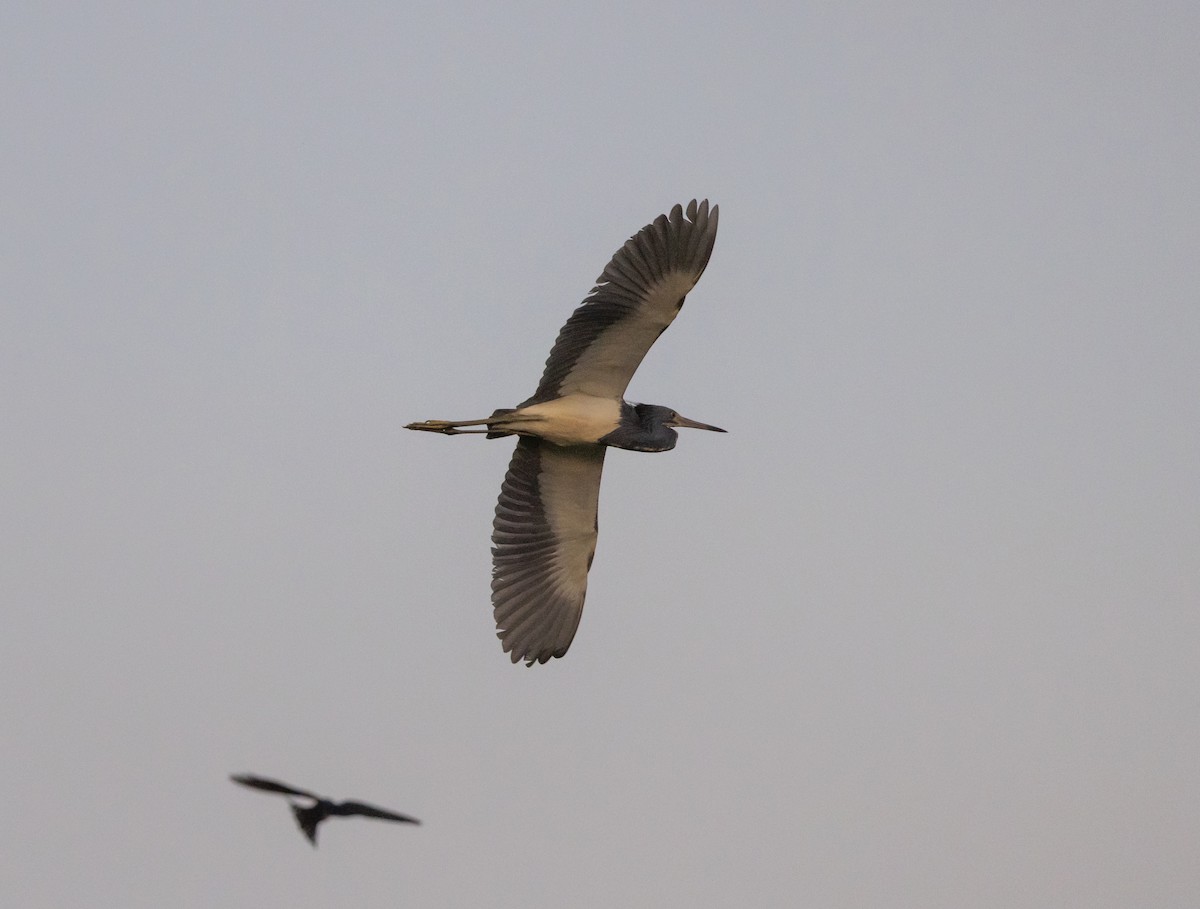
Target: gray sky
pixel 921 631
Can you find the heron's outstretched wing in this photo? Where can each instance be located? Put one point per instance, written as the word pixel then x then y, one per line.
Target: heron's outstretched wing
pixel 258 782
pixel 634 300
pixel 347 809
pixel 543 539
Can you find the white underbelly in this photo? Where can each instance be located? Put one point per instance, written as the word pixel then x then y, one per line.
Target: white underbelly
pixel 575 419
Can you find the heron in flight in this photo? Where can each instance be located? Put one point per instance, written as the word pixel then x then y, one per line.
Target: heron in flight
pixel 544 533
pixel 308 816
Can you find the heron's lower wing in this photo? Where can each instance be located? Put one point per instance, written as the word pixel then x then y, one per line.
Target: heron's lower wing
pixel 543 540
pixel 635 298
pixel 365 810
pixel 266 785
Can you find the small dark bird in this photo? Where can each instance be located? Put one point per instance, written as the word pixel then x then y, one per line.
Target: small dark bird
pixel 544 534
pixel 308 816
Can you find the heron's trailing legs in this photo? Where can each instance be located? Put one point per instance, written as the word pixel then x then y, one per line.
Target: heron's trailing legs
pixel 448 427
pixel 452 427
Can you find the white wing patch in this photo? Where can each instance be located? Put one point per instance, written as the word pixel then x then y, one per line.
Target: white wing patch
pixel 609 362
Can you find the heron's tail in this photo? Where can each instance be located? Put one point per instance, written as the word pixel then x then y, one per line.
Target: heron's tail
pixel 493 421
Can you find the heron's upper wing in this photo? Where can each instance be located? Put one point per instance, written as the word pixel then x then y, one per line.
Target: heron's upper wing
pixel 634 300
pixel 259 782
pixel 361 808
pixel 543 539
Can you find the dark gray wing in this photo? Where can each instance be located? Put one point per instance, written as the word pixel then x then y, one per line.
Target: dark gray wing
pixel 543 540
pixel 347 809
pixel 634 300
pixel 266 785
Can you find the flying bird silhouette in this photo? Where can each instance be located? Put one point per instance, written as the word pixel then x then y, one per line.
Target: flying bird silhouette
pixel 309 816
pixel 544 533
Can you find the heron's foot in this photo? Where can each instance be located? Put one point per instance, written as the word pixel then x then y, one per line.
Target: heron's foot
pixel 434 426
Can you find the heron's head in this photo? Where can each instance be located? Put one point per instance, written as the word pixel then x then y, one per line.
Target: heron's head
pixel 651 427
pixel 671 418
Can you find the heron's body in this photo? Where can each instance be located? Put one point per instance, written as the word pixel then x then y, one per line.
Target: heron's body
pixel 574 419
pixel 544 534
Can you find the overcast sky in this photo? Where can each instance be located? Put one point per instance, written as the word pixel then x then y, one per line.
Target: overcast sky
pixel 923 630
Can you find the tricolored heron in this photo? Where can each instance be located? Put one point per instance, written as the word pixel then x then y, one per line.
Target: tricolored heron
pixel 308 816
pixel 544 534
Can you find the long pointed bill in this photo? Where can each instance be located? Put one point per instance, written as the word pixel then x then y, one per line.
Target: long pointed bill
pixel 692 424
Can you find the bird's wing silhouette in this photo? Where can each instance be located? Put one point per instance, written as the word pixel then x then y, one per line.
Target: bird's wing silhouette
pixel 543 537
pixel 266 785
pixel 361 808
pixel 635 298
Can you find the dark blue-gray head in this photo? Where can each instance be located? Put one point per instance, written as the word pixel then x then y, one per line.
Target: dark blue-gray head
pixel 649 427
